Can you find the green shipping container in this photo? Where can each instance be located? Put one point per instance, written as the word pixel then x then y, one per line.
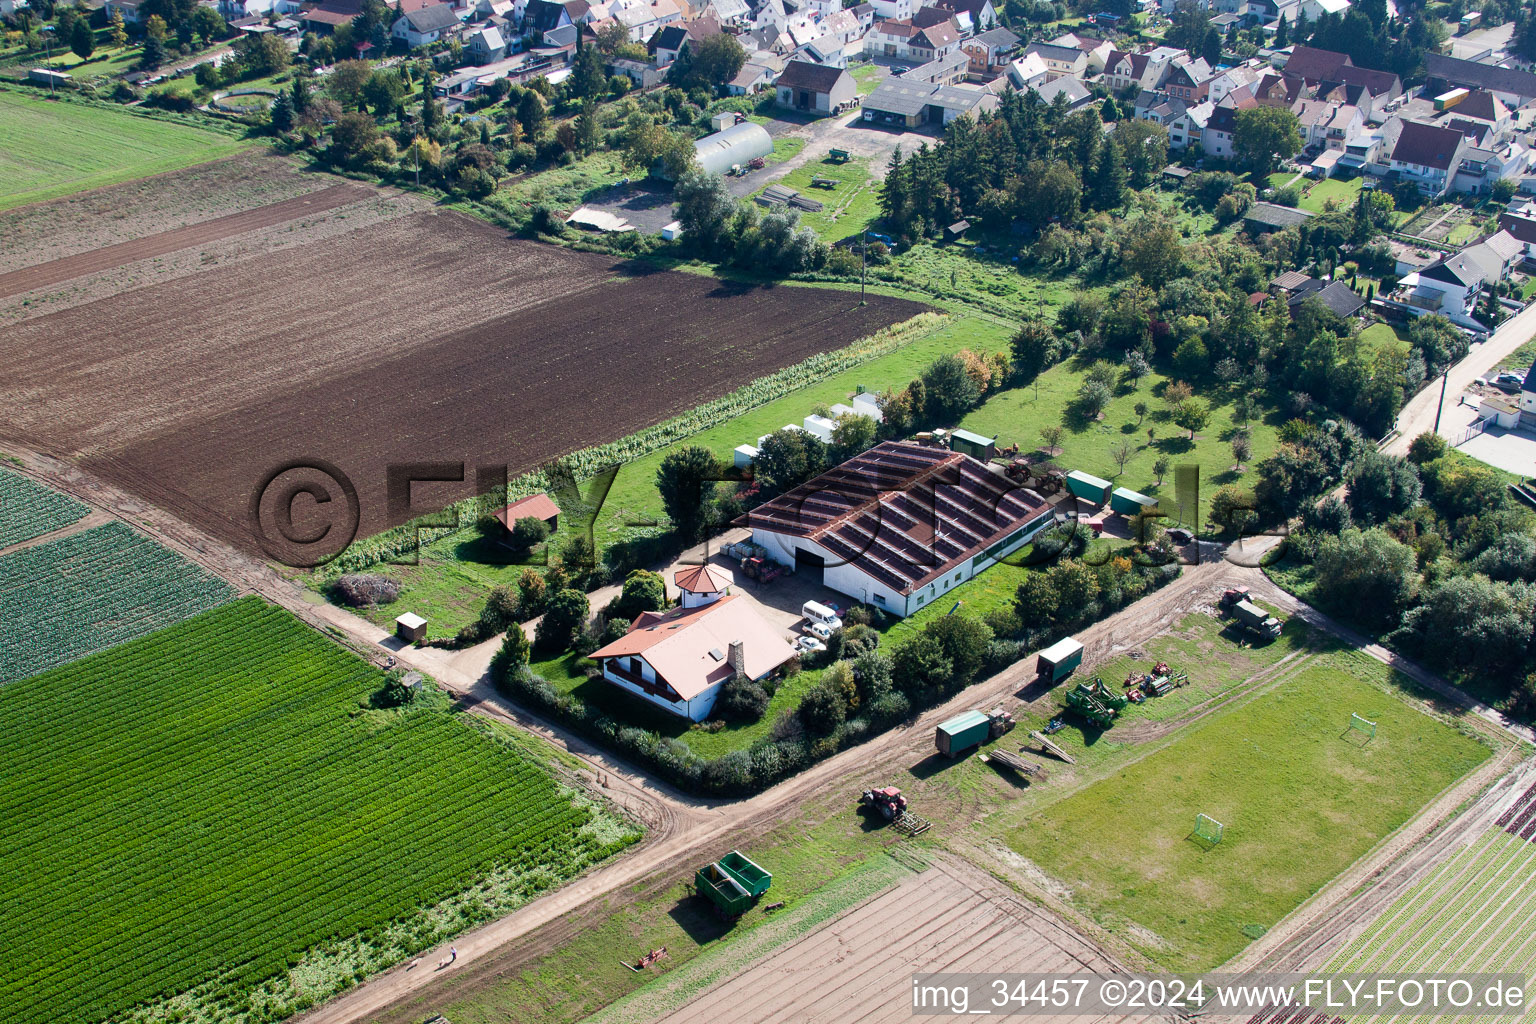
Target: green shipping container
pixel 969 443
pixel 747 874
pixel 962 732
pixel 1088 487
pixel 1059 659
pixel 1128 503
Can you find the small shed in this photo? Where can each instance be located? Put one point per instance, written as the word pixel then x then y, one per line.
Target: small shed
pixel 47 76
pixel 970 443
pixel 411 628
pixel 535 506
pixel 868 405
pixel 746 454
pixel 1129 503
pixel 1058 660
pixel 957 230
pixel 1088 487
pixel 1501 412
pixel 673 231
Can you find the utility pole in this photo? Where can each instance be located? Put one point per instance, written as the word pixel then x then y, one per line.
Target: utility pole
pixel 863 263
pixel 48 48
pixel 1438 408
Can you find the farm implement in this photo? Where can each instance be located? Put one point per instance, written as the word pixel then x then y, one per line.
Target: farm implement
pixel 1096 702
pixel 1141 685
pixel 891 805
pixel 647 960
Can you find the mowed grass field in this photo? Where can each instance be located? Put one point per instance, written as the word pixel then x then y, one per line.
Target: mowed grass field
pixel 217 807
pixel 1300 801
pixel 51 148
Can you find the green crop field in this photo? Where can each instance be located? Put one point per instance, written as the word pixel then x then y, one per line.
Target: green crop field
pixel 1281 775
pixel 1473 913
pixel 53 148
pixel 215 807
pixel 91 590
pixel 29 509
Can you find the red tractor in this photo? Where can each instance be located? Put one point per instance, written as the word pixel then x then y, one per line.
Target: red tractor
pixel 888 801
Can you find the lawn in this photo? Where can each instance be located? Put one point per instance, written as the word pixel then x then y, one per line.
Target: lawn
pixel 1019 414
pixel 868 76
pixel 1282 775
pixel 850 206
pixel 91 590
pixel 1342 193
pixel 563 188
pixel 217 807
pixel 54 148
pixel 1380 336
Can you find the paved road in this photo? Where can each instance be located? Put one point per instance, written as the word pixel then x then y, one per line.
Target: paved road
pixel 1418 415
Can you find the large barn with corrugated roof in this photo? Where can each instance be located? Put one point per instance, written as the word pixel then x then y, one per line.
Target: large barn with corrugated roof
pixel 899 525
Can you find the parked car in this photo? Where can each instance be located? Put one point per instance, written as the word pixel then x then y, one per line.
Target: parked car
pixel 807 644
pixel 819 630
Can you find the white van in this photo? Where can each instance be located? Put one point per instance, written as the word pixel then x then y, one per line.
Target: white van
pixel 814 612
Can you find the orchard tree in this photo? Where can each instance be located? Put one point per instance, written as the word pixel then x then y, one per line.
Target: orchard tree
pixel 1191 415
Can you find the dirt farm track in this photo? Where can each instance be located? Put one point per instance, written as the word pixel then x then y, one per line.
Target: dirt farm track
pixel 419 336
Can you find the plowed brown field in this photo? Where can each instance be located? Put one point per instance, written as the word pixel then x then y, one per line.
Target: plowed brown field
pixel 432 337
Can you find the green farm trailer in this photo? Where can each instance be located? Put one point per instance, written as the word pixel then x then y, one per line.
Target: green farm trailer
pixel 729 896
pixel 1059 660
pixel 1096 702
pixel 732 884
pixel 971 729
pixel 1129 503
pixel 747 874
pixel 1088 487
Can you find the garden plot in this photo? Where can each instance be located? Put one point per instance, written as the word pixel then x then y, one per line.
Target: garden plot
pixel 29 509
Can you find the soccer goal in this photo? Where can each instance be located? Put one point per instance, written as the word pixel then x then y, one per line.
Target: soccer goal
pixel 1208 829
pixel 1364 726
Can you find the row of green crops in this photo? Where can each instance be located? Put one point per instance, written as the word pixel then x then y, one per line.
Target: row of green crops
pixel 587 462
pixel 199 808
pixel 91 590
pixel 29 509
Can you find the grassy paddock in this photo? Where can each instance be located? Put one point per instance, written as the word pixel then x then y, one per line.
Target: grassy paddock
pixel 52 148
pixel 1280 773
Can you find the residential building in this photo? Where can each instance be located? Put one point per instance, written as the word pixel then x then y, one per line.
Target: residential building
pixel 1060 60
pixel 816 88
pixel 680 659
pixel 425 26
pixel 1451 284
pixel 894 10
pixel 1028 72
pixel 1077 94
pixel 1216 138
pixel 899 526
pixel 1096 50
pixel 1315 9
pixel 753 78
pixel 1428 155
pixel 990 51
pixel 979 15
pixel 129 9
pixel 1186 80
pixel 1339 298
pixel 903 40
pixel 485 45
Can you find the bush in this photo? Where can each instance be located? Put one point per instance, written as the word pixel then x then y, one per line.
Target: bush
pixel 527 532
pixel 823 709
pixel 742 699
pixel 563 615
